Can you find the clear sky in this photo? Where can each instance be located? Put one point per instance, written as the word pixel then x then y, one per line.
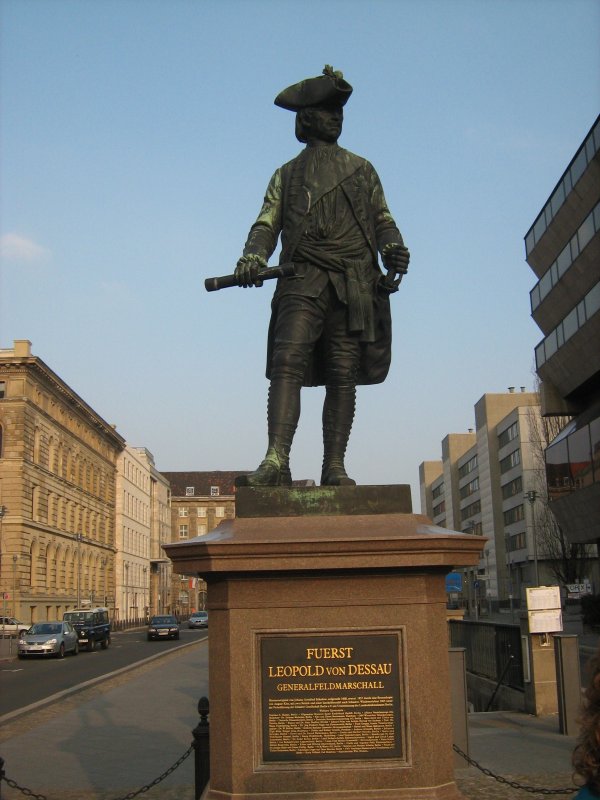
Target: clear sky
pixel 138 136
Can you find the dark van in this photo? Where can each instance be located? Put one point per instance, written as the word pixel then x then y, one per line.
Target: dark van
pixel 92 626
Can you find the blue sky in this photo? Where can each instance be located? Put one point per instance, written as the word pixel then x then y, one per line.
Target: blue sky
pixel 137 139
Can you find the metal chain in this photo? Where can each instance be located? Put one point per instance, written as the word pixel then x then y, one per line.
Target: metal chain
pixel 129 796
pixel 513 784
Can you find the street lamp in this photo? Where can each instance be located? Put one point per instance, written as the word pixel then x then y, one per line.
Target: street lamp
pixel 532 496
pixel 15 558
pixel 3 511
pixel 79 538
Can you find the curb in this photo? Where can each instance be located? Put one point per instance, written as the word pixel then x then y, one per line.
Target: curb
pixel 93 681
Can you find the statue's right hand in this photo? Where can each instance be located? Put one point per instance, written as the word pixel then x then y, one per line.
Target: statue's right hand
pixel 247 269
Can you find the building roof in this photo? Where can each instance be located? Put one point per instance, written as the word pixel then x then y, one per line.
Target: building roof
pixel 202 482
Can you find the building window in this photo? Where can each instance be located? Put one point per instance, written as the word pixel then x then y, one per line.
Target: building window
pixel 469 488
pixel 183 512
pixel 202 511
pixel 512 488
pixel 220 511
pixel 2 390
pixel 508 435
pixel 573 321
pixel 189 491
pixel 202 529
pixel 439 490
pixel 439 509
pixel 0 441
pixel 517 542
pixel 468 467
pixel 513 515
pixel 214 491
pixel 183 531
pixel 512 460
pixel 470 510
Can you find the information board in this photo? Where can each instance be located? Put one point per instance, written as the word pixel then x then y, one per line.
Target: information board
pixel 331 697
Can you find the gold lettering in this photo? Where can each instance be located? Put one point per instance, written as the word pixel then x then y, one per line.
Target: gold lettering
pixel 370 669
pixel 319 653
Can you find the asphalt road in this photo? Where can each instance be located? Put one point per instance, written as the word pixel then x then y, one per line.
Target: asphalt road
pixel 29 680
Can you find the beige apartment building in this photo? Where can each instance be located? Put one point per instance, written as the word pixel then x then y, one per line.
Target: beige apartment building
pixel 161 569
pixel 199 502
pixel 482 486
pixel 58 462
pixel 143 572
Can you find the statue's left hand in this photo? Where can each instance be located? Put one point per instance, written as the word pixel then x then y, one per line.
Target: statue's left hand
pixel 396 258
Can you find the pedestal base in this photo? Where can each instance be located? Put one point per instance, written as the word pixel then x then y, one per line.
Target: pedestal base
pixel 328 656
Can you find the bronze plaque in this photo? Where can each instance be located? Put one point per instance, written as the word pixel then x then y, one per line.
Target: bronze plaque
pixel 330 697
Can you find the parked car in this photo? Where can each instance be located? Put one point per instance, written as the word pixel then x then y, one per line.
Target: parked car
pixel 164 626
pixel 92 626
pixel 49 639
pixel 9 626
pixel 198 619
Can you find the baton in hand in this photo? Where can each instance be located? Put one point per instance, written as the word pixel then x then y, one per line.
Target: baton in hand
pixel 225 281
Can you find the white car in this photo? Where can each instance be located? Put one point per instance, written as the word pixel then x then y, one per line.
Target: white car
pixel 9 626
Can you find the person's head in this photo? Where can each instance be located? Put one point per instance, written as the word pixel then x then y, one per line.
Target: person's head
pixel 318 103
pixel 319 124
pixel 586 757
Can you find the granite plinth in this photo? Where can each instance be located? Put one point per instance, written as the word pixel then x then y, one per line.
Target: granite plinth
pixel 323 581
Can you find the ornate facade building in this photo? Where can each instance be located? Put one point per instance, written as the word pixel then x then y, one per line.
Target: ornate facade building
pixel 199 502
pixel 58 462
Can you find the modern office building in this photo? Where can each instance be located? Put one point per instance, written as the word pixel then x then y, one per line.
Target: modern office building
pixel 563 250
pixel 57 492
pixel 489 482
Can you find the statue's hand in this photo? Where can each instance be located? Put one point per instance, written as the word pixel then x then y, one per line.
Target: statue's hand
pixel 396 257
pixel 247 269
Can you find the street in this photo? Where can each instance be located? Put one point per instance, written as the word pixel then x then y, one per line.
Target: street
pixel 32 679
pixel 116 735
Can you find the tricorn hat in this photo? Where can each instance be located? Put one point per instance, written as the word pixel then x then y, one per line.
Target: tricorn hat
pixel 330 87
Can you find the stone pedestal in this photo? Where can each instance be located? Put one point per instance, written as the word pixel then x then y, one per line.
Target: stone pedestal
pixel 328 646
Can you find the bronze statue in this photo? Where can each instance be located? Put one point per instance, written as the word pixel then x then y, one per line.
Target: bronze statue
pixel 330 322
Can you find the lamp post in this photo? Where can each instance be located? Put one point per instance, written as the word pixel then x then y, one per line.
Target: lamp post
pixel 126 591
pixel 15 558
pixel 79 537
pixel 532 496
pixel 3 510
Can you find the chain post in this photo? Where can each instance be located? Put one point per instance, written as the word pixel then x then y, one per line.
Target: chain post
pixel 201 745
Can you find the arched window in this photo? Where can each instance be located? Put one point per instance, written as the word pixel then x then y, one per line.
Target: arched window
pixel 70 559
pixel 60 568
pixel 37 439
pixel 51 566
pixel 34 564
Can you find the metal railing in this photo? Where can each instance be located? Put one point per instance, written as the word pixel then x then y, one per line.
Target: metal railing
pixel 493 650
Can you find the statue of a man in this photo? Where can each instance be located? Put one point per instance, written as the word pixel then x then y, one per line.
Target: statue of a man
pixel 330 323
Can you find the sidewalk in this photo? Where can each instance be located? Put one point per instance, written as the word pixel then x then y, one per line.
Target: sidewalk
pixel 117 736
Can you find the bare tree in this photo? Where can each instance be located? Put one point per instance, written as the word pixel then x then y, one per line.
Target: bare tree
pixel 565 559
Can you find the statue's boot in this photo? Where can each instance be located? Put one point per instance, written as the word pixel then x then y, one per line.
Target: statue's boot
pixel 338 415
pixel 283 414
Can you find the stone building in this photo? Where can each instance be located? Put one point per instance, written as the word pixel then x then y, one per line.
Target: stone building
pixel 563 250
pixel 199 502
pixel 161 569
pixel 57 492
